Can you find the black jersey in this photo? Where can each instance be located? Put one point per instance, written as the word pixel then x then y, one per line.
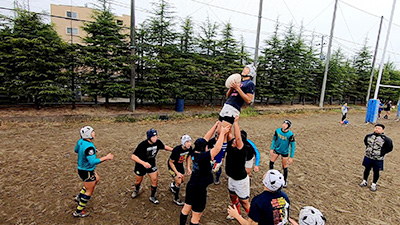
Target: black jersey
pixel 179 156
pixel 148 152
pixel 202 174
pixel 235 162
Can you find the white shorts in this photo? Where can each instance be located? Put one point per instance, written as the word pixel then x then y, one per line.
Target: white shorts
pixel 249 163
pixel 240 187
pixel 229 111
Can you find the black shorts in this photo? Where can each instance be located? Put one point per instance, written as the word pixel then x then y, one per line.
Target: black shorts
pixel 370 163
pixel 196 196
pixel 140 170
pixel 283 155
pixel 179 168
pixel 87 176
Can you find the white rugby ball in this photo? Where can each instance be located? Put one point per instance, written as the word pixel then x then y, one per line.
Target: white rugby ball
pixel 234 78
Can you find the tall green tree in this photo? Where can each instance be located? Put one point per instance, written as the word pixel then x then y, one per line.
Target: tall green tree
pixel 362 67
pixel 270 68
pixel 106 54
pixel 31 60
pixel 159 50
pixel 207 49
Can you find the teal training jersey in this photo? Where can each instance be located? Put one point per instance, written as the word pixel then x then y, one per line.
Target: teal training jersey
pixel 282 141
pixel 86 155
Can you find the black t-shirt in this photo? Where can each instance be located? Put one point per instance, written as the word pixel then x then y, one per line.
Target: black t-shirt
pixel 235 162
pixel 235 99
pixel 202 174
pixel 179 156
pixel 270 208
pixel 250 152
pixel 148 152
pixel 211 143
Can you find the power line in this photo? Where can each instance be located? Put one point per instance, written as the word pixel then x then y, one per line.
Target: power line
pixel 366 12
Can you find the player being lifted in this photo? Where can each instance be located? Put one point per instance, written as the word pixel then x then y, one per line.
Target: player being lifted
pixel 145 162
pixel 237 94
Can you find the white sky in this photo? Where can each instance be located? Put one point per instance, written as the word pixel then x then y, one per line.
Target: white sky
pixel 356 20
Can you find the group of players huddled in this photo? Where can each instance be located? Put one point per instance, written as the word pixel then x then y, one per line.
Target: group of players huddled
pixel 225 143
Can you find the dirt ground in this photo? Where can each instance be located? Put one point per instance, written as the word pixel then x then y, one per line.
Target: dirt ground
pixel 38 175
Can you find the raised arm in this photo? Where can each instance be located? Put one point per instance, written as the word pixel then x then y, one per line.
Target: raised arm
pixel 238 135
pixel 210 132
pixel 218 145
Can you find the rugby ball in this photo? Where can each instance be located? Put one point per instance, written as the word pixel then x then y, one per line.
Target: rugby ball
pixel 311 215
pixel 234 78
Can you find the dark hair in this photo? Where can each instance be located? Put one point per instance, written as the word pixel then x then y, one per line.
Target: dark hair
pixel 243 134
pixel 200 145
pixel 380 125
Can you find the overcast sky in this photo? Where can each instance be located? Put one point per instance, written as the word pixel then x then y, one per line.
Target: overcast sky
pixel 356 20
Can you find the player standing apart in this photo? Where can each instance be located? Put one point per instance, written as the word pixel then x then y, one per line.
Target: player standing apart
pixel 145 162
pixel 283 144
pixel 377 146
pixel 179 155
pixel 87 162
pixel 345 109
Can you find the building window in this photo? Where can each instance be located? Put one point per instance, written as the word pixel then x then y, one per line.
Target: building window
pixel 120 22
pixel 73 15
pixel 74 31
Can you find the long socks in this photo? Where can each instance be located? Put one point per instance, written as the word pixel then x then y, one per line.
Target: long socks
pixel 82 192
pixel 183 219
pixel 285 173
pixel 137 187
pixel 271 165
pixel 237 204
pixel 177 189
pixel 153 191
pixel 82 202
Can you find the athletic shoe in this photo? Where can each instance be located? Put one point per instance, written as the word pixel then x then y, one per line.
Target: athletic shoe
pixel 363 183
pixel 285 184
pixel 217 182
pixel 228 217
pixel 154 200
pixel 373 187
pixel 77 199
pixel 171 187
pixel 80 214
pixel 135 194
pixel 178 202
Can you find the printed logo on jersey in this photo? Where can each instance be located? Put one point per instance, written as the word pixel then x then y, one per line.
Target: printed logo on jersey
pixel 280 210
pixel 152 151
pixel 282 137
pixel 91 152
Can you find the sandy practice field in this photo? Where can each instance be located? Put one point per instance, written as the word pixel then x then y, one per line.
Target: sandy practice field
pixel 38 175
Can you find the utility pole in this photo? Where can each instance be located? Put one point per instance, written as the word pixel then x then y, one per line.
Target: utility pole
pixel 378 82
pixel 322 47
pixel 321 100
pixel 257 45
pixel 373 61
pixel 72 62
pixel 133 74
